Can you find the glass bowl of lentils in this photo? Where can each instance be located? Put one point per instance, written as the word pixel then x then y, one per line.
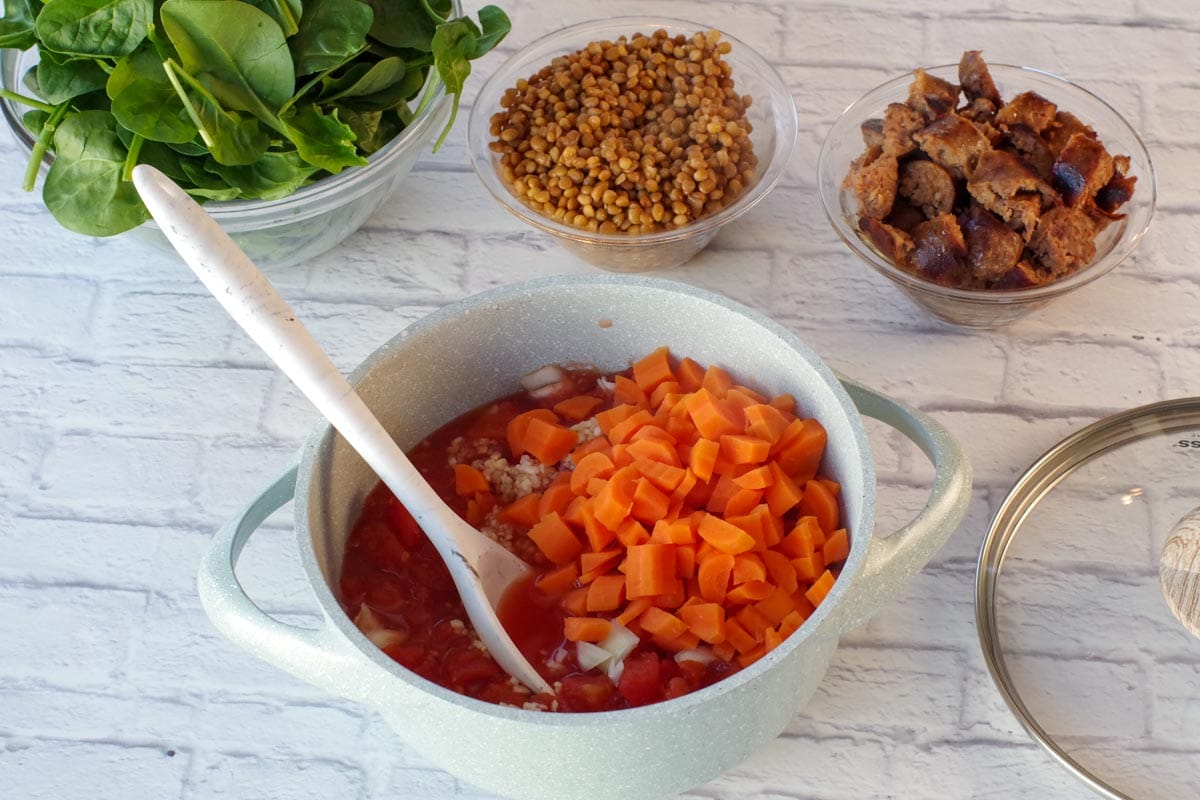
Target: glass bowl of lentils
pixel 632 140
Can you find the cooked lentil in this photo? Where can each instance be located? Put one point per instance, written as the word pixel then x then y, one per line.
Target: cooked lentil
pixel 644 134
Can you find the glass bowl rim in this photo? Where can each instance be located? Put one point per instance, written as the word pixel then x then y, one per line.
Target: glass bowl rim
pixel 1122 248
pixel 478 121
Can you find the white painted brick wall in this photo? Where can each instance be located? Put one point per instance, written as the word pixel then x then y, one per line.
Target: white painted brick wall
pixel 138 419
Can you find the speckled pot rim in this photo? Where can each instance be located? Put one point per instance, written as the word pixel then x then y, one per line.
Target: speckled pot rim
pixel 810 630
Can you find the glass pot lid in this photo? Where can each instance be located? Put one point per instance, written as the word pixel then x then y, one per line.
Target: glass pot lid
pixel 1071 616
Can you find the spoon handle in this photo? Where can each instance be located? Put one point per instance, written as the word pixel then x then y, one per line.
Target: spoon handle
pixel 253 302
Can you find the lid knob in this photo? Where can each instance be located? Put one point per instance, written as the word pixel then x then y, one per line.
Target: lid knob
pixel 1179 571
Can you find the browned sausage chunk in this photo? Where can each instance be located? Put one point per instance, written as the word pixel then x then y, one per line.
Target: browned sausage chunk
pixel 953 142
pixel 927 186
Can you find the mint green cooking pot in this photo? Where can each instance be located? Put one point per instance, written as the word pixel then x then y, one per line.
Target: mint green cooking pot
pixel 473 351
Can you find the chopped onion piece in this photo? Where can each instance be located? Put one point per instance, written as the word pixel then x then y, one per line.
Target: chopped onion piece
pixel 589 655
pixel 700 655
pixel 605 384
pixel 539 378
pixel 615 668
pixel 384 638
pixel 620 641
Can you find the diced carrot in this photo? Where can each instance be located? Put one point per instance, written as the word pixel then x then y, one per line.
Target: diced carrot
pixel 600 561
pixel 754 623
pixel 780 570
pixel 672 598
pixel 578 408
pixel 837 547
pixel 586 629
pixel 633 609
pixel 548 442
pixel 766 422
pixel 803 606
pixel 664 476
pixel 712 416
pixel 748 567
pixel 626 391
pixel 801 457
pixel 834 487
pixel 649 570
pixel 784 494
pixel 757 397
pixel 690 375
pixel 632 533
pixel 555 539
pixel 703 458
pixel 800 542
pixel 606 593
pixel 724 651
pixel 820 502
pixel 775 606
pixel 662 623
pixel 653 370
pixel 706 620
pixel 596 465
pixel 518 426
pixel 621 457
pixel 654 450
pixel 478 507
pixel 737 635
pixel 677 644
pixel 771 639
pixel 791 623
pixel 722 491
pixel 685 561
pixel 772 525
pixel 754 654
pixel 663 391
pixel 784 402
pixel 808 568
pixel 820 590
pixel 749 592
pixel 678 532
pixel 743 449
pixel 624 430
pixel 598 535
pixel 723 536
pixel 649 502
pixel 574 602
pixel 743 501
pixel 557 582
pixel 757 478
pixel 713 575
pixel 655 432
pixel 523 511
pixel 573 513
pixel 469 480
pixel 613 416
pixel 615 500
pixel 738 398
pixel 717 380
pixel 597 444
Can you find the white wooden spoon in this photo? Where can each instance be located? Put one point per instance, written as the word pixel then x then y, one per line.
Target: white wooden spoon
pixel 481 568
pixel 1179 571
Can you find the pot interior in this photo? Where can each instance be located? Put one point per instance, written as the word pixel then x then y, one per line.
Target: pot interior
pixel 475 351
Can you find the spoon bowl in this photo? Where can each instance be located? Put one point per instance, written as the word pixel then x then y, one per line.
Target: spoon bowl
pixel 482 569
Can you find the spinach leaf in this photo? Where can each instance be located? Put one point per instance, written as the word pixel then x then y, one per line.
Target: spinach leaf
pixel 94 27
pixel 204 183
pixel 35 120
pixel 236 51
pixel 286 12
pixel 321 139
pixel 402 23
pixel 458 41
pixel 230 137
pixel 16 27
pixel 145 102
pixel 372 129
pixel 496 25
pixel 330 32
pixel 273 176
pixel 83 189
pixel 365 79
pixel 61 78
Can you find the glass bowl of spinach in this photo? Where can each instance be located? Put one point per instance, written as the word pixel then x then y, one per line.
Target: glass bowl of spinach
pixel 292 120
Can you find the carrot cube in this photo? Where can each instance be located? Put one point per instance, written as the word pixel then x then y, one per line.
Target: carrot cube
pixel 649 570
pixel 585 629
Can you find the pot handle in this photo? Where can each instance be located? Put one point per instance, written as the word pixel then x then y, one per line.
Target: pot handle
pixel 319 656
pixel 891 561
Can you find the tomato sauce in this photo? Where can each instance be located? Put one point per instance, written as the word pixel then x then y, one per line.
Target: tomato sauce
pixel 391 567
